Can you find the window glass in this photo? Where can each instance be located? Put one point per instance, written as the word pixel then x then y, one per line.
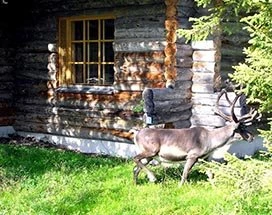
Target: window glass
pixel 92 73
pixel 108 52
pixel 92 33
pixel 109 74
pixel 109 28
pixel 87 55
pixel 92 52
pixel 77 30
pixel 78 68
pixel 77 52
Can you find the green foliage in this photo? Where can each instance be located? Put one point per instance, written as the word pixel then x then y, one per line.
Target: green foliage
pixel 246 179
pixel 255 74
pixel 139 108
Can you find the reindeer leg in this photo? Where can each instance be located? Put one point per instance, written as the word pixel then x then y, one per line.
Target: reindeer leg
pixel 188 166
pixel 137 169
pixel 139 166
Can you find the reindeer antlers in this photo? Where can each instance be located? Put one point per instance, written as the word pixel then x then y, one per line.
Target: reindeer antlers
pixel 247 118
pixel 232 104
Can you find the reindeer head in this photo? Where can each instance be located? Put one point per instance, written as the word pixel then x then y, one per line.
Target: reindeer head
pixel 239 125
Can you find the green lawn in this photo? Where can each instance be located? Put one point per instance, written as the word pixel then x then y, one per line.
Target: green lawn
pixel 50 181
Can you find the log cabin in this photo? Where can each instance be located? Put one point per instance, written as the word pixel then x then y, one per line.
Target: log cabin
pixel 73 71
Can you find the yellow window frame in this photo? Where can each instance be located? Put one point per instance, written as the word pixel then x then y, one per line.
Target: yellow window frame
pixel 66 74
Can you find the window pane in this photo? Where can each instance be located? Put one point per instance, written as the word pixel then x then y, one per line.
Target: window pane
pixel 78 71
pixel 77 30
pixel 109 55
pixel 109 74
pixel 92 52
pixel 92 70
pixel 93 30
pixel 109 29
pixel 77 52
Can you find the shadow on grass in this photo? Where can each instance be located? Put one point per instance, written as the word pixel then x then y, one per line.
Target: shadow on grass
pixel 18 162
pixel 173 173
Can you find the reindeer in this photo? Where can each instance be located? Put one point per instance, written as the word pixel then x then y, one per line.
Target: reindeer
pixel 188 144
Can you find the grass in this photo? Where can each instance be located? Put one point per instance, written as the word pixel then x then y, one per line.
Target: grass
pixel 50 181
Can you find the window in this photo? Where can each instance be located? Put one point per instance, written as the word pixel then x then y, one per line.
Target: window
pixel 85 51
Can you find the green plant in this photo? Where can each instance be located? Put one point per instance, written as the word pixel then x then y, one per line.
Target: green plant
pixel 255 73
pixel 248 179
pixel 139 108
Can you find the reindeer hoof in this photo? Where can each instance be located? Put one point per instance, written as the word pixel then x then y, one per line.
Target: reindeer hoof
pixel 181 183
pixel 152 178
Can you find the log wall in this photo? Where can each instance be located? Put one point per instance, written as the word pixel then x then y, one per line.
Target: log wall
pixel 7 111
pixel 232 51
pixel 139 45
pixel 212 62
pixel 172 105
pixel 150 63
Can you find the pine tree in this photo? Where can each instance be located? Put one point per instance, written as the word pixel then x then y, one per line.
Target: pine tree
pixel 255 73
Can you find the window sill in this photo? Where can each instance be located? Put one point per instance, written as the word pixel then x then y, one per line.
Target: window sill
pixel 108 90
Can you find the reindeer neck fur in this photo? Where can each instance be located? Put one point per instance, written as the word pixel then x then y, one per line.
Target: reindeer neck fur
pixel 220 136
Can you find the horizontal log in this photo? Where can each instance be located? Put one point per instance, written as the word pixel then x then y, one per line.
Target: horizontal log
pixel 184 62
pixel 4 70
pixel 184 74
pixel 145 74
pixel 50 111
pixel 210 110
pixel 185 11
pixel 80 121
pixel 122 100
pixel 186 3
pixel 142 21
pixel 6 77
pixel 204 67
pixel 33 57
pixel 139 46
pixel 203 77
pixel 6 95
pixel 36 74
pixel 206 56
pixel 184 50
pixel 141 9
pixel 6 86
pixel 210 99
pixel 6 103
pixel 170 106
pixel 96 90
pixel 184 87
pixel 6 120
pixel 236 38
pixel 72 131
pixel 207 120
pixel 7 111
pixel 122 96
pixel 140 33
pixel 36 45
pixel 137 86
pixel 182 124
pixel 205 45
pixel 30 34
pixel 166 117
pixel 165 94
pixel 202 88
pixel 4 61
pixel 232 51
pixel 183 24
